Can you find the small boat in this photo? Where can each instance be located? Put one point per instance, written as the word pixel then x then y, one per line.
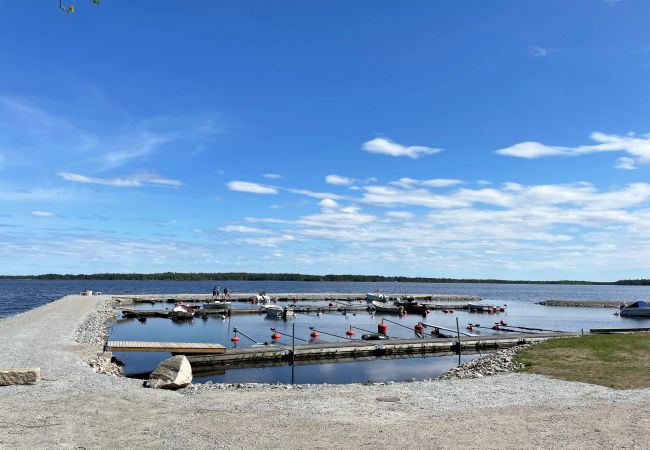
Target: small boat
pixel 278 312
pixel 639 308
pixel 374 337
pixel 376 297
pixel 412 305
pixel 386 308
pixel 217 304
pixel 182 311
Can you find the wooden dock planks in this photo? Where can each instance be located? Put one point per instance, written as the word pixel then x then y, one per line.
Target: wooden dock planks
pixel 166 347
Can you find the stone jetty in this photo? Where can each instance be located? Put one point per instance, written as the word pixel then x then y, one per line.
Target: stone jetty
pixel 586 303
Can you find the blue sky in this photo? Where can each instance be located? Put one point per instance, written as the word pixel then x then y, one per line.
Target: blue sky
pixel 499 139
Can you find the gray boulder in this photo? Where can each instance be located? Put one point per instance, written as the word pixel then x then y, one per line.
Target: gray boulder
pixel 10 377
pixel 172 373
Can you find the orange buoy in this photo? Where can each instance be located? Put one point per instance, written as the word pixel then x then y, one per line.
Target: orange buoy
pixel 350 332
pixel 419 328
pixel 315 334
pixel 276 336
pixel 235 339
pixel 382 328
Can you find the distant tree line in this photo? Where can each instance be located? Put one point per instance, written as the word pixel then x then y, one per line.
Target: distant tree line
pixel 245 276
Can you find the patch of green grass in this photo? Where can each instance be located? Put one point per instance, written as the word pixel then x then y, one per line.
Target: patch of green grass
pixel 620 361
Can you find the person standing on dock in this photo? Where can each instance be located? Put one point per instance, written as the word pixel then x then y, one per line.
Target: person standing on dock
pixel 215 292
pixel 225 293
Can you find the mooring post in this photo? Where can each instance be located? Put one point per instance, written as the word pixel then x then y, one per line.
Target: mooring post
pixel 458 334
pixel 293 350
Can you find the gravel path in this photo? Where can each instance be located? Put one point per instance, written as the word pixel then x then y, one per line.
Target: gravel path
pixel 76 407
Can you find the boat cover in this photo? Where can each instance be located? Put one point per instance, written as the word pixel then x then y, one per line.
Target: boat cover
pixel 639 304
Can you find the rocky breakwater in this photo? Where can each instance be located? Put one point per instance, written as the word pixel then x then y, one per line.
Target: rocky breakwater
pixel 492 364
pixel 93 332
pixel 584 303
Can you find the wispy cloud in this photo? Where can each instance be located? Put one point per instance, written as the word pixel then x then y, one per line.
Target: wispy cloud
pixel 253 188
pixel 538 51
pixel 638 146
pixel 387 147
pixel 626 163
pixel 435 182
pixel 44 214
pixel 339 180
pixel 137 180
pixel 272 176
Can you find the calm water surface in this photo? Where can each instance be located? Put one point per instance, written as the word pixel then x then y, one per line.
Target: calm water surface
pixel 19 296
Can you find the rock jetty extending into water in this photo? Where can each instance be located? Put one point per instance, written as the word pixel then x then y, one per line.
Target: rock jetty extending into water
pixel 585 303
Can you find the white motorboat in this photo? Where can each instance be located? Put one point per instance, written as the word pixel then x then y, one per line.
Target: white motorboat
pixel 385 308
pixel 182 311
pixel 639 308
pixel 278 312
pixel 376 297
pixel 217 304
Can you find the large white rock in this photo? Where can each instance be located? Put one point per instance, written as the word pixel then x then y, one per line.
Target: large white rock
pixel 172 373
pixel 10 377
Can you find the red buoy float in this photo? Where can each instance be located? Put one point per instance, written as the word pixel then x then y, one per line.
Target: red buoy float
pixel 419 328
pixel 315 334
pixel 451 311
pixel 350 332
pixel 235 339
pixel 382 328
pixel 276 336
pixel 445 311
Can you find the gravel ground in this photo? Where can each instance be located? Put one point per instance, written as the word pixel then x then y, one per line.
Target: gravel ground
pixel 76 407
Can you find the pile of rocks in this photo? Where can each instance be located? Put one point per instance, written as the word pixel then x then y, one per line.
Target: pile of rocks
pixel 492 364
pixel 93 329
pixel 105 363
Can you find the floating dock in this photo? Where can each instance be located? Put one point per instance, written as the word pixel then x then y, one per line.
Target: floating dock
pixel 332 351
pixel 617 330
pixel 166 347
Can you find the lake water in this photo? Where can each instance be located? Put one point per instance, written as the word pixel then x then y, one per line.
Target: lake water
pixel 522 310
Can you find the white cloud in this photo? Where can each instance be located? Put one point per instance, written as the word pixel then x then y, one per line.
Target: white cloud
pixel 137 180
pixel 244 229
pixel 403 215
pixel 329 203
pixel 533 150
pixel 339 180
pixel 254 188
pixel 45 214
pixel 272 176
pixel 387 147
pixel 626 163
pixel 435 182
pixel 636 146
pixel 538 51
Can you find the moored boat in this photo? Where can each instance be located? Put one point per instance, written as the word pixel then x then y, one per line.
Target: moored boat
pixel 182 311
pixel 387 308
pixel 278 312
pixel 411 305
pixel 217 304
pixel 639 308
pixel 376 297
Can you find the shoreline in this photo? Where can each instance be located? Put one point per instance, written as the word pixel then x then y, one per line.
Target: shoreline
pixel 75 406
